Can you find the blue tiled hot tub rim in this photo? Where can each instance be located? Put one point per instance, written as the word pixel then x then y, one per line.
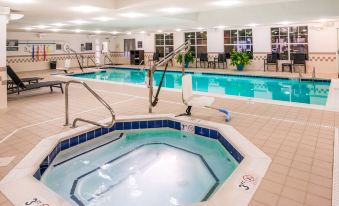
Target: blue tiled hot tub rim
pixel 133 125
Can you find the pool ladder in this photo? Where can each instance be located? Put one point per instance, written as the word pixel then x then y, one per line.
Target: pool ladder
pixel 102 101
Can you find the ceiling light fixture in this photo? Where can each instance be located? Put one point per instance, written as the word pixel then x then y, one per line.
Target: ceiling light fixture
pixel 200 28
pixel 323 20
pixel 97 31
pixel 159 31
pixel 85 9
pixel 252 25
pixel 220 27
pixel 115 32
pixel 77 30
pixel 15 16
pixel 285 22
pixel 142 32
pixel 41 26
pixel 103 18
pixel 79 21
pixel 132 15
pixel 178 30
pixel 129 33
pixel 28 28
pixel 226 3
pixel 58 24
pixel 55 30
pixel 172 10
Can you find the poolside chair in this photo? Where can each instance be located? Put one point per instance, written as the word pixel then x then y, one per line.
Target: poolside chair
pixel 271 60
pixel 299 60
pixel 197 101
pixel 202 58
pixel 155 59
pixel 28 80
pixel 66 67
pixel 221 59
pixel 20 86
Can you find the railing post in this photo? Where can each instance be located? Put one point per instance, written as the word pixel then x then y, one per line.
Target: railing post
pixel 66 105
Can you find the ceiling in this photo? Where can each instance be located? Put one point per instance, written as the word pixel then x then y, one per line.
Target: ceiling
pixel 167 15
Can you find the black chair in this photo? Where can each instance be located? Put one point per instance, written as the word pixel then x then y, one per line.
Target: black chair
pixel 271 60
pixel 299 60
pixel 221 59
pixel 202 58
pixel 155 59
pixel 20 86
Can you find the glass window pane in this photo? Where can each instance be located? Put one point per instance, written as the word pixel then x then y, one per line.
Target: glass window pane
pixel 242 40
pixel 234 40
pixel 283 31
pixel 234 33
pixel 168 49
pixel 275 39
pixel 160 50
pixel 227 34
pixel 249 40
pixel 242 32
pixel 201 49
pixel 303 30
pixel 248 32
pixel 274 31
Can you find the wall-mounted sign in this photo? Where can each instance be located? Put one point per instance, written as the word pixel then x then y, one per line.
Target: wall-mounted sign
pixel 139 44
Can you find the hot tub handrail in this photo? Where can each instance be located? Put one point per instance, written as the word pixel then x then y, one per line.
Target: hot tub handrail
pixel 102 101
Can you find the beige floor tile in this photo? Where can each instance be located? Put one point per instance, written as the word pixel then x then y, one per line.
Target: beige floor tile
pixel 294 194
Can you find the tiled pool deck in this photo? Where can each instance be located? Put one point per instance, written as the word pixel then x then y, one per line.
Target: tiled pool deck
pixel 299 140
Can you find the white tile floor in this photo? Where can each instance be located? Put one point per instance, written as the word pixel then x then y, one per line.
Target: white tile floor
pixel 299 140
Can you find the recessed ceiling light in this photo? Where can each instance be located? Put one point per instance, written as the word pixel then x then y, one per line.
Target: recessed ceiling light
pixel 132 15
pixel 55 30
pixel 323 20
pixel 85 9
pixel 252 25
pixel 220 27
pixel 178 29
pixel 200 28
pixel 14 16
pixel 103 18
pixel 226 3
pixel 20 1
pixel 285 22
pixel 58 24
pixel 28 28
pixel 77 30
pixel 41 26
pixel 172 10
pixel 79 21
pixel 142 32
pixel 159 31
pixel 97 31
pixel 115 32
pixel 129 33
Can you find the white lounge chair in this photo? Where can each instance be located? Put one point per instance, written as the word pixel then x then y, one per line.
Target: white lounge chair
pixel 67 65
pixel 197 101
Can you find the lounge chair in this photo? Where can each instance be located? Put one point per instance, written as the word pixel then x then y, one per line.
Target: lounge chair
pixel 154 59
pixel 271 60
pixel 299 60
pixel 30 80
pixel 191 100
pixel 20 86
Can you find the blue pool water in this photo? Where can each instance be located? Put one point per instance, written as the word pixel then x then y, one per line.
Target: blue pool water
pixel 282 89
pixel 145 168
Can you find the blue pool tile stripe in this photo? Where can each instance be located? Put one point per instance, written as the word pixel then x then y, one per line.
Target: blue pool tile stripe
pixel 131 125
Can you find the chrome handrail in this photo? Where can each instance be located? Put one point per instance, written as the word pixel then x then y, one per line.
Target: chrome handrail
pixel 164 61
pixel 102 101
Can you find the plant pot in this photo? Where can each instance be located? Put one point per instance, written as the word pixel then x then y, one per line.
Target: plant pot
pixel 186 65
pixel 240 67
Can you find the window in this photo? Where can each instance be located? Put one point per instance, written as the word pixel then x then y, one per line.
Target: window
pixel 198 42
pixel 164 44
pixel 289 40
pixel 239 40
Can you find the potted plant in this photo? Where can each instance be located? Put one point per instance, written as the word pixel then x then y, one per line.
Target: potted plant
pixel 188 58
pixel 240 59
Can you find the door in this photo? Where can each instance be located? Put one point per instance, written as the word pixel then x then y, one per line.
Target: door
pixel 129 44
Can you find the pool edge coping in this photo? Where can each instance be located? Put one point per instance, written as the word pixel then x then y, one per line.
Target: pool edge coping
pixel 20 186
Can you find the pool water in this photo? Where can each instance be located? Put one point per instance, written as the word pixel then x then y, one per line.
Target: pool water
pixel 281 89
pixel 144 168
pixel 271 88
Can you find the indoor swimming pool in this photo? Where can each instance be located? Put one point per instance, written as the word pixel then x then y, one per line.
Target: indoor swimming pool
pixel 305 91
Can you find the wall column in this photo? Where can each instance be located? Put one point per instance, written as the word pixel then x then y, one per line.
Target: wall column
pixel 4 12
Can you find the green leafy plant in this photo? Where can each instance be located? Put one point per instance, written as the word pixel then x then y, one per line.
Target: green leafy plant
pixel 188 58
pixel 240 58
